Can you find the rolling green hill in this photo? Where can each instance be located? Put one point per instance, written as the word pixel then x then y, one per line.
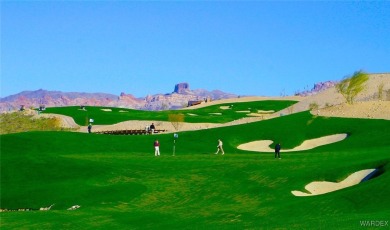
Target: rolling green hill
pixel 119 183
pixel 109 115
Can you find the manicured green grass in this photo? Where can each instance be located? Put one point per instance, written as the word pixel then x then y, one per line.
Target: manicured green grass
pixel 119 183
pixel 206 114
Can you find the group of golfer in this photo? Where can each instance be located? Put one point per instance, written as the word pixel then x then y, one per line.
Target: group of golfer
pixel 219 148
pixel 156 144
pixel 157 147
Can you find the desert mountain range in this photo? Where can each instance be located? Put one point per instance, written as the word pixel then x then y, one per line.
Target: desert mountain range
pixel 179 98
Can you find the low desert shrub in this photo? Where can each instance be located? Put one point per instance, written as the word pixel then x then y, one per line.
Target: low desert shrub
pixel 176 120
pixel 352 86
pixel 16 122
pixel 380 90
pixel 313 106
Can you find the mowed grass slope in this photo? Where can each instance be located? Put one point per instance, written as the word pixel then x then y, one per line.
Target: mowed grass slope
pixel 212 114
pixel 119 183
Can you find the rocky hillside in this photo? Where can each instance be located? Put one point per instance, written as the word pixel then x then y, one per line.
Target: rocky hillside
pixel 318 87
pixel 179 98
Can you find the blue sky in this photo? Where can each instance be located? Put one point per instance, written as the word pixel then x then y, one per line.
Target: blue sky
pixel 264 48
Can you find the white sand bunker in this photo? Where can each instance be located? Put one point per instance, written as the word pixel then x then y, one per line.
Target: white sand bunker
pixel 243 111
pixel 192 114
pixel 215 113
pixel 265 111
pixel 107 110
pixel 263 145
pixel 322 187
pixel 225 107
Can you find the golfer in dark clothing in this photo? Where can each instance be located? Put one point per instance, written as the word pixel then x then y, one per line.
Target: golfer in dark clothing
pixel 152 128
pixel 89 128
pixel 277 150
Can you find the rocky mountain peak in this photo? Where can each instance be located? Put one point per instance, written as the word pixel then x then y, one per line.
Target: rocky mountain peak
pixel 182 88
pixel 318 87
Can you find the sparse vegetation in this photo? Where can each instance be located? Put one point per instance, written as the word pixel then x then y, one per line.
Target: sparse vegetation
pixel 352 86
pixel 164 106
pixel 176 120
pixel 380 90
pixel 313 106
pixel 290 109
pixel 22 122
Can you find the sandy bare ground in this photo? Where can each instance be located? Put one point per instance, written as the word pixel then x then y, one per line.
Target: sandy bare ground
pixel 364 109
pixel 322 187
pixel 263 145
pixel 166 125
pixel 368 104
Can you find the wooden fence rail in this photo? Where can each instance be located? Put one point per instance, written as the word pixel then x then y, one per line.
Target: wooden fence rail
pixel 130 132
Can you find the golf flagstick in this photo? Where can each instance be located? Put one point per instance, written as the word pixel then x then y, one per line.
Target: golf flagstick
pixel 175 136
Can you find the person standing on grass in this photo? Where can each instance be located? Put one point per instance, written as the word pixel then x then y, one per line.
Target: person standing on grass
pixel 277 150
pixel 156 148
pixel 219 147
